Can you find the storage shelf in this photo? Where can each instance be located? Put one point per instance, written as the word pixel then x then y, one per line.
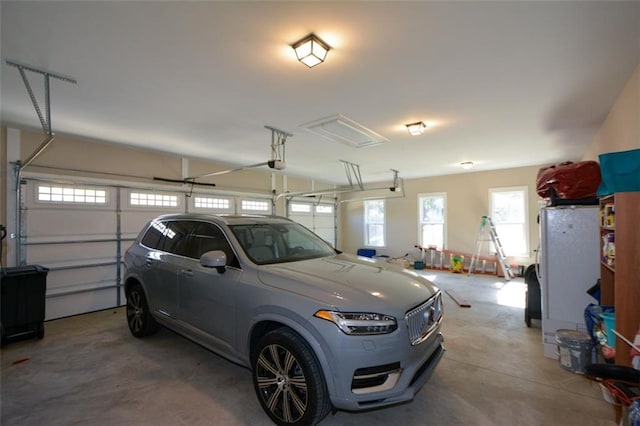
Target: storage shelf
pixel 605 265
pixel 620 284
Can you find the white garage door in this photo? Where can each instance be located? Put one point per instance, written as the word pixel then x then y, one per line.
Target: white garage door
pixel 80 232
pixel 320 218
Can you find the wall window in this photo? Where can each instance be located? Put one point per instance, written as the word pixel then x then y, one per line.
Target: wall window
pixel 71 194
pixel 509 215
pixel 153 199
pixel 374 222
pixel 432 216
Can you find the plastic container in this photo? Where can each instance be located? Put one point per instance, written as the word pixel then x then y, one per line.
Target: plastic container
pixel 620 172
pixel 366 252
pixel 634 413
pixel 609 320
pixel 23 291
pixel 456 263
pixel 575 350
pixel 418 264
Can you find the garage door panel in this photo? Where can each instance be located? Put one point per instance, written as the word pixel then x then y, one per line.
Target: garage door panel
pixel 326 234
pixel 69 222
pixel 306 221
pixel 133 221
pixel 58 280
pixel 324 221
pixel 79 303
pixel 319 218
pixel 69 254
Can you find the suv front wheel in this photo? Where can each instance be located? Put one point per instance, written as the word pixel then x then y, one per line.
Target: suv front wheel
pixel 288 380
pixel 139 318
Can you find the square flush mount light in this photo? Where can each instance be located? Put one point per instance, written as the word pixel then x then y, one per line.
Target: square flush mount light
pixel 416 129
pixel 467 165
pixel 311 50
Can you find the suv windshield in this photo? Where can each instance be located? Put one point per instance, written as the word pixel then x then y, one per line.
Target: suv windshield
pixel 280 242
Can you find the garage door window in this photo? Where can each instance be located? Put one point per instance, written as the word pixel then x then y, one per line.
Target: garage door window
pixel 324 209
pixel 71 194
pixel 260 206
pixel 218 205
pixel 153 199
pixel 300 208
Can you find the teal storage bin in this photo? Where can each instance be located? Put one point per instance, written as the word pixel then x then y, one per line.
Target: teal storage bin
pixel 620 172
pixel 609 320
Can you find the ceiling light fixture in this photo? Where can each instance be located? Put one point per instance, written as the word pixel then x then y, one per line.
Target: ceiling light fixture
pixel 467 165
pixel 416 129
pixel 311 50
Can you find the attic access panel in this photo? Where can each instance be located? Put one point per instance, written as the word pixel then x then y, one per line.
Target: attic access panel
pixel 342 129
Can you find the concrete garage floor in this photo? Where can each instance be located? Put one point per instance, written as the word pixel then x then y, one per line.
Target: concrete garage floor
pixel 88 370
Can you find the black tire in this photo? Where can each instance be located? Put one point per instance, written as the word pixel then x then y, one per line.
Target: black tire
pixel 141 322
pixel 288 380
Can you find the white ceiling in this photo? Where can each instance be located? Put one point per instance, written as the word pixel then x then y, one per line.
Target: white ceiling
pixel 506 84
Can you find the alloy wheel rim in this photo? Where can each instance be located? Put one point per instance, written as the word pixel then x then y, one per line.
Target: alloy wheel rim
pixel 282 384
pixel 134 311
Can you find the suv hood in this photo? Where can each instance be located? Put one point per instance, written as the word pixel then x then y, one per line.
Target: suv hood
pixel 349 282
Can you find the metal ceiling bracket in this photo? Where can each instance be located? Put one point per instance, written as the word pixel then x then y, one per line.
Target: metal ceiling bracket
pixel 278 140
pixel 353 172
pixel 45 120
pixel 396 181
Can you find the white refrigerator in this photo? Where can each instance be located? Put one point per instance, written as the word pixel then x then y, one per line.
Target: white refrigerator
pixel 569 266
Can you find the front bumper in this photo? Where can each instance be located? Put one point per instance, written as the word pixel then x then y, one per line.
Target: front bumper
pixel 415 370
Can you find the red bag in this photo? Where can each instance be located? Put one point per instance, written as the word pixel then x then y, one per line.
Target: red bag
pixel 568 180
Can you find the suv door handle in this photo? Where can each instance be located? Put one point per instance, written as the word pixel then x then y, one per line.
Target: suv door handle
pixel 187 272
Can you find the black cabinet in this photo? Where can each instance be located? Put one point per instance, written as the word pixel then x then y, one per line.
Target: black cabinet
pixel 23 302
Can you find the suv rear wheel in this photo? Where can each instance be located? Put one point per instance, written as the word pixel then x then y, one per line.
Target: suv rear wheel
pixel 288 380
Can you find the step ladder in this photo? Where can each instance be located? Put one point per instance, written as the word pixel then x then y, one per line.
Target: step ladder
pixel 487 226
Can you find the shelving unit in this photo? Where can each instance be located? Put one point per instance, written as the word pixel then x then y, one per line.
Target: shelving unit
pixel 620 267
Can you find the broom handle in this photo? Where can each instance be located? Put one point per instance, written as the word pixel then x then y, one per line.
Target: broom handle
pixel 624 339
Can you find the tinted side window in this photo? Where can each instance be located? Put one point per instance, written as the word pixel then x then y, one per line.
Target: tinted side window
pixel 153 237
pixel 176 239
pixel 208 237
pixel 169 236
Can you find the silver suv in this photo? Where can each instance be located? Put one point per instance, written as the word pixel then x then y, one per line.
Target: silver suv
pixel 319 329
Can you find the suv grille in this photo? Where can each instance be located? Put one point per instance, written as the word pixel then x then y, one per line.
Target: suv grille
pixel 421 321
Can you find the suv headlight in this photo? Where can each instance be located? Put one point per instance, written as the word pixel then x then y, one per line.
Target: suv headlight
pixel 359 323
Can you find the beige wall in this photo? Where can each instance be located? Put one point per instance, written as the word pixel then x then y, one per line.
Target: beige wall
pixel 621 129
pixel 467 201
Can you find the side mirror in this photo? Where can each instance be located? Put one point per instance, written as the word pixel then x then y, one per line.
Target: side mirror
pixel 214 259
